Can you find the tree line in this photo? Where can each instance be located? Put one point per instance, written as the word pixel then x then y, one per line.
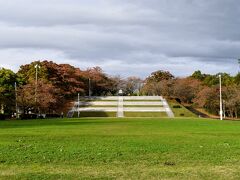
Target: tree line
pixel 48 90
pixel 57 84
pixel 199 90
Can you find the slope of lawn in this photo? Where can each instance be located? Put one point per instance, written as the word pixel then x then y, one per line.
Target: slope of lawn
pixel 180 112
pixel 111 148
pixel 145 114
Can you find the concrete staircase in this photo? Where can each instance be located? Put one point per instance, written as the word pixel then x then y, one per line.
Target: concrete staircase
pixel 121 105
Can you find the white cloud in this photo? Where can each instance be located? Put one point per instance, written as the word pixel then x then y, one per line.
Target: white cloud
pixel 123 37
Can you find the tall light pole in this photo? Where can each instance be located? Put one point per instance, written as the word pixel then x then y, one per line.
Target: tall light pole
pixel 89 87
pixel 37 66
pixel 16 100
pixel 220 92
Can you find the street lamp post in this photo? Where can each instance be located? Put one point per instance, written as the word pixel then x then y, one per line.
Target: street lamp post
pixel 78 105
pixel 16 100
pixel 89 87
pixel 36 81
pixel 220 92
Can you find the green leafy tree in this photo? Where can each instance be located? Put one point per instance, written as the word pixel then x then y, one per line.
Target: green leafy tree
pixel 27 72
pixel 237 79
pixel 7 95
pixel 158 76
pixel 198 75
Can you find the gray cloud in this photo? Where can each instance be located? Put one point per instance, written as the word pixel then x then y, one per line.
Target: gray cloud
pixel 123 37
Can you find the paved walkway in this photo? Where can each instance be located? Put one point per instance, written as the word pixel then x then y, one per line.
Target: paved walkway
pixel 168 109
pixel 120 107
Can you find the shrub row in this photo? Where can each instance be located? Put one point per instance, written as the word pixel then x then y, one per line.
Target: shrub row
pixel 35 116
pixel 2 117
pixel 177 106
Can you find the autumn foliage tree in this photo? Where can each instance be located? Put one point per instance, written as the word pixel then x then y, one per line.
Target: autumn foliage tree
pixel 158 83
pixel 199 90
pixel 62 83
pixel 39 99
pixel 208 98
pixel 232 100
pixel 64 77
pixel 99 82
pixel 186 89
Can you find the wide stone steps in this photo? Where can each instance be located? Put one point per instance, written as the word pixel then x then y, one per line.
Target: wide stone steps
pixel 115 98
pixel 97 109
pixel 142 98
pixel 124 109
pixel 142 103
pixel 98 103
pixel 125 103
pixel 121 104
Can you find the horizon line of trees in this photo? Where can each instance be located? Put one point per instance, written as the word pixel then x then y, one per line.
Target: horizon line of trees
pixel 199 90
pixel 58 84
pixel 55 86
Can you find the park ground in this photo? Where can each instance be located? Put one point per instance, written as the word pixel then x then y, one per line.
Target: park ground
pixel 127 148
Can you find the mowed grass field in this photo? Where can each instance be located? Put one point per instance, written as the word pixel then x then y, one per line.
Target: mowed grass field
pixel 128 148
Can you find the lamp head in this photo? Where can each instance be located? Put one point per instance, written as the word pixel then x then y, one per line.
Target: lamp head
pixel 37 66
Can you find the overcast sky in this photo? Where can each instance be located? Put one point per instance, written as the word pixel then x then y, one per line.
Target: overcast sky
pixel 124 37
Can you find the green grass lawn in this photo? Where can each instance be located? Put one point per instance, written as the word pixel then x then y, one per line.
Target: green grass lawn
pixel 111 148
pixel 143 100
pixel 145 114
pixel 94 100
pixel 180 112
pixel 95 114
pixel 93 106
pixel 143 106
